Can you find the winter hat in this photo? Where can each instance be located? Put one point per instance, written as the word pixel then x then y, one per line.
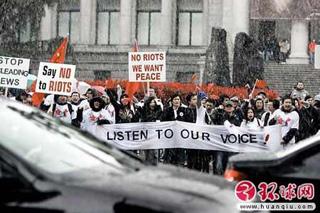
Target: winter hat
pixel 56 98
pixel 234 98
pixel 317 97
pixel 307 97
pixel 229 103
pixel 97 99
pixel 202 95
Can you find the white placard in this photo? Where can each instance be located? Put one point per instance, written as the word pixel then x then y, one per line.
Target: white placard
pixel 147 66
pixel 56 78
pixel 14 72
pixel 317 57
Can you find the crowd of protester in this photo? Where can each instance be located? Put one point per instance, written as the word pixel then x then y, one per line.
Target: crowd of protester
pixel 298 114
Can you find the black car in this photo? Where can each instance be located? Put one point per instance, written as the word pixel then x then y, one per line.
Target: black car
pixel 46 166
pixel 298 165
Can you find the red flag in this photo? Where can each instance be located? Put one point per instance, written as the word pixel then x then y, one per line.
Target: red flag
pixel 60 54
pixel 58 57
pixel 261 84
pixel 110 84
pixel 133 87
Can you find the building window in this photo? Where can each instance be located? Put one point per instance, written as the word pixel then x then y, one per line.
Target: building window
pixel 69 20
pixel 148 21
pixel 101 74
pixel 189 23
pixel 184 77
pixel 24 33
pixel 108 15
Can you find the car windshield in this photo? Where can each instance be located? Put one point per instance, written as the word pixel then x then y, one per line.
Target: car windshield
pixel 48 145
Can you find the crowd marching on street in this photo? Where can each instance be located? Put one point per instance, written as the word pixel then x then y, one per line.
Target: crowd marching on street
pixel 298 114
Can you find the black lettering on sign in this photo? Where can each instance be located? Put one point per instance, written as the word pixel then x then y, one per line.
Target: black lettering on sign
pixel 239 138
pixel 9 81
pixel 184 133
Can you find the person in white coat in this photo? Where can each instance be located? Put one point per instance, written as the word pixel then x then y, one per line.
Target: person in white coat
pixel 250 121
pixel 62 109
pixel 288 118
pixel 95 116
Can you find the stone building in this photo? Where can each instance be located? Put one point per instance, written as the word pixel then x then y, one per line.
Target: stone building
pixel 102 31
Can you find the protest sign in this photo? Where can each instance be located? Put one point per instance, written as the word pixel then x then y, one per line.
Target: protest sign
pixel 56 78
pixel 176 134
pixel 147 66
pixel 14 72
pixel 317 57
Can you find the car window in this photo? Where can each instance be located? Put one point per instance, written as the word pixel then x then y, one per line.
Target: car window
pixel 310 165
pixel 303 165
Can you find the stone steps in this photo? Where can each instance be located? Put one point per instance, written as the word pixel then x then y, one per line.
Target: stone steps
pixel 283 77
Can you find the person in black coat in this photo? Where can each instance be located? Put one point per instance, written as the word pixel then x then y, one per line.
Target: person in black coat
pixel 151 112
pixel 196 159
pixel 175 112
pixel 124 113
pixel 309 118
pixel 221 115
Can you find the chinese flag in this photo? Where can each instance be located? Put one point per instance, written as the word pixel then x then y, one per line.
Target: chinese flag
pixel 58 57
pixel 261 84
pixel 133 87
pixel 60 54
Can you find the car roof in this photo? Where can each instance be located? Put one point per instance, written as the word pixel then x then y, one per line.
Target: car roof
pixel 282 154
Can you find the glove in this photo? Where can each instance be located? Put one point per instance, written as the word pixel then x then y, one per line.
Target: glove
pixel 102 122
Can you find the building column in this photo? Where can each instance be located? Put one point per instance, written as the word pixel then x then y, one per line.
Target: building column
pixel 125 22
pixel 299 42
pixel 213 15
pixel 166 22
pixel 227 24
pixel 88 21
pixel 241 10
pixel 48 26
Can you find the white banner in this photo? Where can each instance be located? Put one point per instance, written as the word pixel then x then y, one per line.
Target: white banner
pixel 56 78
pixel 176 134
pixel 147 66
pixel 14 72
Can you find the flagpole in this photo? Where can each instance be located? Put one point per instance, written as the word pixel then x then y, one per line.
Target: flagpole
pixel 254 87
pixel 6 92
pixel 148 88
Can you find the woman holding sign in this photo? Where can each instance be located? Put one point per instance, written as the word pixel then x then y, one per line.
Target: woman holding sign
pixel 251 121
pixel 151 112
